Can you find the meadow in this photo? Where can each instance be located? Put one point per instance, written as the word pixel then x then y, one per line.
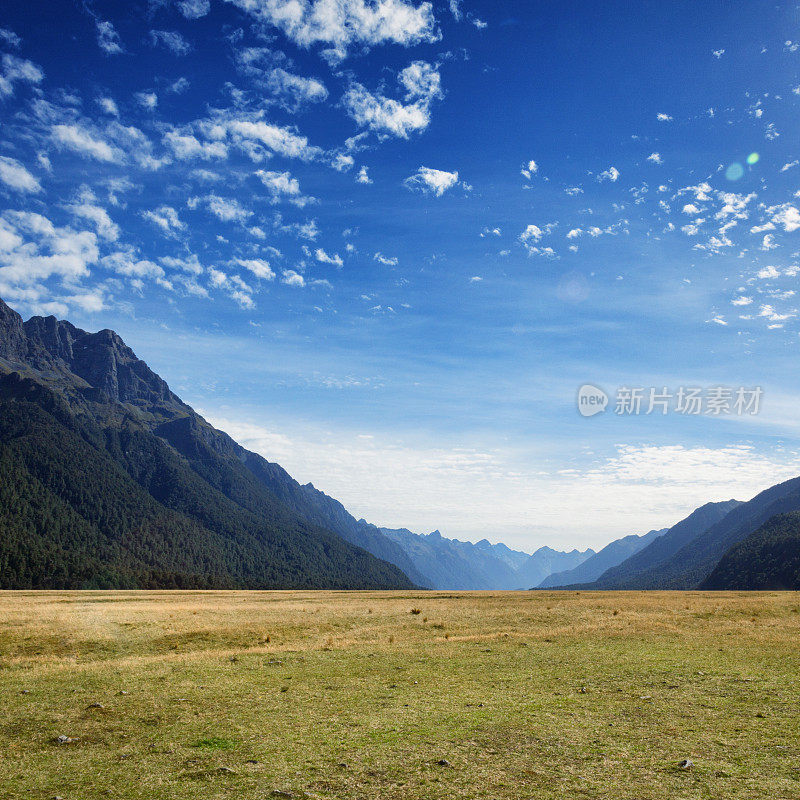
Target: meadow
pixel 175 695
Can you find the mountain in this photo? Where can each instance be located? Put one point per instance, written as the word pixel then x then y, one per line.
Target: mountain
pixel 108 479
pixel 641 570
pixel 452 564
pixel 769 558
pixel 545 561
pixel 612 554
pixel 693 563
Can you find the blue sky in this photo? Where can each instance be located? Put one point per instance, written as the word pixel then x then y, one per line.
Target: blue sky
pixel 384 243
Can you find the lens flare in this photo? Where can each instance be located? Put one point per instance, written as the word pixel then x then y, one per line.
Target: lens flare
pixel 753 158
pixel 734 171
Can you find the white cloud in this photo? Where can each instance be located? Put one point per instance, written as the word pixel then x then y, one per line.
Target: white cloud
pixel 32 249
pixel 179 86
pixel 386 260
pixel 263 66
pixel 610 174
pixel 172 41
pixel 342 162
pixel 385 115
pixel 786 216
pixel 194 9
pixel 86 207
pixel 662 117
pixel 530 169
pixel 431 181
pixel 533 233
pixel 125 262
pixel 325 258
pixel 17 70
pixel 655 158
pixel 363 176
pixel 14 175
pixel 283 141
pixel 769 312
pixel 295 89
pixel 734 205
pixel 421 80
pixel 259 267
pixel 237 289
pixel 190 264
pixel 147 100
pixel 165 218
pixel 108 38
pixel 718 53
pixel 73 137
pixel 226 209
pixel 343 23
pixel 532 236
pixel 741 301
pixel 293 278
pixel 108 105
pixel 10 38
pixel 186 146
pixel 282 186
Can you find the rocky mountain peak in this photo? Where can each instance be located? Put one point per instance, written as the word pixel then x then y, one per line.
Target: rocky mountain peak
pixel 13 342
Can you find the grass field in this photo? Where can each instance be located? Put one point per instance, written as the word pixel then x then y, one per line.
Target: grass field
pixel 351 695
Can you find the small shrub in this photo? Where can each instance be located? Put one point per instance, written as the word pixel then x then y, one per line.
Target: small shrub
pixel 416 611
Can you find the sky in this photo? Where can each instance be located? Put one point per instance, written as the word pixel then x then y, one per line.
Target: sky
pixel 385 242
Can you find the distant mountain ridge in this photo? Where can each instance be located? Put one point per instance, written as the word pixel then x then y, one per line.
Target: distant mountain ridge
pixel 612 554
pixel 641 570
pixel 453 564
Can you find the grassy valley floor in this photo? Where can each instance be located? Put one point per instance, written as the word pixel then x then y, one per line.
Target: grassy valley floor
pixel 176 695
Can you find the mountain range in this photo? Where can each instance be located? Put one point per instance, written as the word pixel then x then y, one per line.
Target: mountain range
pixel 451 564
pixel 612 554
pixel 108 479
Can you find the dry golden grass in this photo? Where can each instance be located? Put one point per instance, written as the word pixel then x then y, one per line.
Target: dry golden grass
pixel 351 695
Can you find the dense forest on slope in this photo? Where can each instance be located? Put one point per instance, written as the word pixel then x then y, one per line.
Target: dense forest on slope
pixel 769 558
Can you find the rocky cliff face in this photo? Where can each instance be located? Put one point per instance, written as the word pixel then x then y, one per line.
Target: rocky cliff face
pixel 103 360
pixel 13 342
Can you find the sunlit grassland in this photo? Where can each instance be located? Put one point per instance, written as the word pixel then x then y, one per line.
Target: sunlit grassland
pixel 351 695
